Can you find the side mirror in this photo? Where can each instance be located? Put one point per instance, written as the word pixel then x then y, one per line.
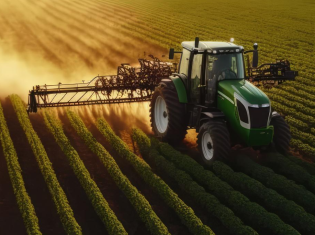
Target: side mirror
pixel 255 56
pixel 171 55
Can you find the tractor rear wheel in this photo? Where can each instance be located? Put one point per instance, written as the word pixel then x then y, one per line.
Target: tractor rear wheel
pixel 214 141
pixel 282 134
pixel 167 115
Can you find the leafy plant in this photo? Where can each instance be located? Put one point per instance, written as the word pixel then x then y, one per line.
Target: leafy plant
pixel 291 170
pixel 138 201
pixel 58 195
pixel 113 225
pixel 252 213
pixel 22 198
pixel 286 209
pixel 281 184
pixel 187 184
pixel 184 212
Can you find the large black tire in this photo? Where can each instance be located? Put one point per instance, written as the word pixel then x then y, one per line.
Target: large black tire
pixel 282 134
pixel 220 138
pixel 173 117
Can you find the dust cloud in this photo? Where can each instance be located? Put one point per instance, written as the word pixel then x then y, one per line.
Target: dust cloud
pixel 65 41
pixel 47 42
pixel 18 74
pixel 121 117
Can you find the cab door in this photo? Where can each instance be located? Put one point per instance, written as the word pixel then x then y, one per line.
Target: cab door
pixel 196 79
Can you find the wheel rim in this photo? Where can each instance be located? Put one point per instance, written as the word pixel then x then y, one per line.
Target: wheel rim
pixel 207 146
pixel 160 114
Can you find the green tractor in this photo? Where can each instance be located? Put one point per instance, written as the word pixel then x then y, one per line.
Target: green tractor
pixel 216 94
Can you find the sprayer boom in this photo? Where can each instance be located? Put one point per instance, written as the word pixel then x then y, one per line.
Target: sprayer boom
pixel 129 85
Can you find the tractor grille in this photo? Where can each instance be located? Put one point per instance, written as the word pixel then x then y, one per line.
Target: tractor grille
pixel 258 117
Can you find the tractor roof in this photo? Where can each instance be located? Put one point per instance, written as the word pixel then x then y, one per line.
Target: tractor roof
pixel 190 45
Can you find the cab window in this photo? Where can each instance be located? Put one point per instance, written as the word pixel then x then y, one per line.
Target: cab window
pixel 195 77
pixel 184 63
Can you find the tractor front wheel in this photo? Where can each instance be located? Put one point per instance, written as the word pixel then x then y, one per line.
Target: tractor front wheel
pixel 167 115
pixel 282 134
pixel 214 141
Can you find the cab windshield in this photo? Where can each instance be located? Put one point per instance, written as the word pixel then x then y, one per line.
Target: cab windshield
pixel 225 66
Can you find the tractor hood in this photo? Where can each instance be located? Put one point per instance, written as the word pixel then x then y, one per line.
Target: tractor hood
pixel 242 89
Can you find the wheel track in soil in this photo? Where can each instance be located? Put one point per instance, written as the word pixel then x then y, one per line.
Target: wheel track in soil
pixel 35 185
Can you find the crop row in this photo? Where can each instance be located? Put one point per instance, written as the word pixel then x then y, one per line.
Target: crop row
pixel 297 123
pixel 291 170
pixel 307 138
pixel 22 198
pixel 309 167
pixel 184 212
pixel 113 225
pixel 159 21
pixel 306 89
pixel 292 89
pixel 138 201
pixel 59 197
pixel 292 112
pixel 252 213
pixel 305 148
pixel 288 210
pixel 281 184
pixel 187 184
pixel 293 104
pixel 295 99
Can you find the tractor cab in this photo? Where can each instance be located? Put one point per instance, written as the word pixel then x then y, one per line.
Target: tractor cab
pixel 203 65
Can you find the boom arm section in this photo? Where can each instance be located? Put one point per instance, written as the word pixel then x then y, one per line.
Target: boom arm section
pixel 129 85
pixel 267 74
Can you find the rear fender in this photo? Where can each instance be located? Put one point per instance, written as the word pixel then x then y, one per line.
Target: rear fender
pixel 180 87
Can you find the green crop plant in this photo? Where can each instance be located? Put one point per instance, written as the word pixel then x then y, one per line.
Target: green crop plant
pixel 281 184
pixel 59 197
pixel 292 213
pixel 15 172
pixel 108 217
pixel 187 184
pixel 310 167
pixel 304 148
pixel 184 212
pixel 291 170
pixel 138 201
pixel 252 213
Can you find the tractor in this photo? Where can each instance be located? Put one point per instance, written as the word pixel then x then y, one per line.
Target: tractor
pixel 210 93
pixel 213 89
